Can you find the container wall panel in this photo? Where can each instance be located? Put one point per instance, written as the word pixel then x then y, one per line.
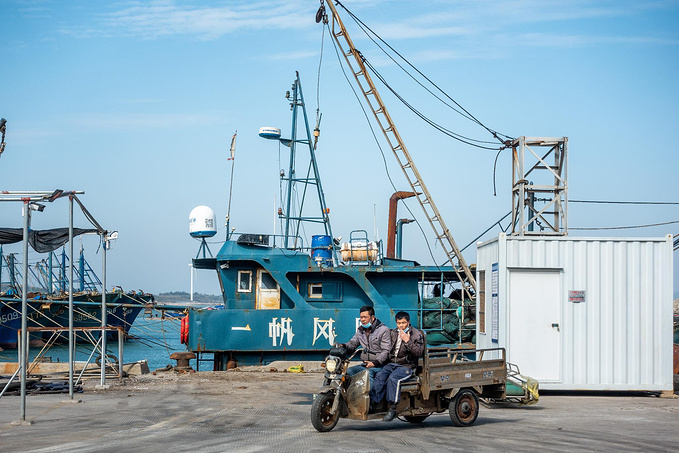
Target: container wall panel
pixel 620 336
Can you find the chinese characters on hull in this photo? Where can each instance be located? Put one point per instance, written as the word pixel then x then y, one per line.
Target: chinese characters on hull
pixel 280 330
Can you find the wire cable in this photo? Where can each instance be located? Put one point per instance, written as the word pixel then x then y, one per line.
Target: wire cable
pixel 487 230
pixel 318 79
pixel 466 113
pixel 626 202
pixel 494 170
pixel 627 227
pixel 384 159
pixel 448 132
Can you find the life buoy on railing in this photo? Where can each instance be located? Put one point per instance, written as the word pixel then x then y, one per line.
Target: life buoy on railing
pixel 184 332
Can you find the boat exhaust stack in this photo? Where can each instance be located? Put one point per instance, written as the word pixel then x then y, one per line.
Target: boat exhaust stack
pixel 391 230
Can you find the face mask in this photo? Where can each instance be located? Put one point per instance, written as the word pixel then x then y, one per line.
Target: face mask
pixel 366 326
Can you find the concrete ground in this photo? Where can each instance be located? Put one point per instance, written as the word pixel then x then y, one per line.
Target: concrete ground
pixel 255 410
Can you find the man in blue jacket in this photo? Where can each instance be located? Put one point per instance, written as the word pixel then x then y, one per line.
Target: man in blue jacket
pixel 375 339
pixel 408 346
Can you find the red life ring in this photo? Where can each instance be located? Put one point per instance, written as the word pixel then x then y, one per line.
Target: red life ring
pixel 184 332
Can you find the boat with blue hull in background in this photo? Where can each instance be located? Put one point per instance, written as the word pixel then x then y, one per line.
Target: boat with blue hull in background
pixel 284 300
pixel 48 308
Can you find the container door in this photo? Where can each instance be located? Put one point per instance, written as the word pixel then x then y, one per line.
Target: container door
pixel 268 292
pixel 534 323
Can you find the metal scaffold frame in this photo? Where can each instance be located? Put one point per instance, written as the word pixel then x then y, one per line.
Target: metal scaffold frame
pixel 30 200
pixel 540 204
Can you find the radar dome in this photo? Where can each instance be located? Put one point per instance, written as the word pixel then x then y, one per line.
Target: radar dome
pixel 272 133
pixel 202 222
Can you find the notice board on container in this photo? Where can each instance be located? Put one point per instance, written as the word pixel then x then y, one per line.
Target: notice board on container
pixel 495 311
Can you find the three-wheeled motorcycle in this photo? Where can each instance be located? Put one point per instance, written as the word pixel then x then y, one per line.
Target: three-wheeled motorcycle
pixel 446 378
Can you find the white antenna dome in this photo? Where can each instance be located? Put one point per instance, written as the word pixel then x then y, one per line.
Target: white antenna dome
pixel 202 222
pixel 272 133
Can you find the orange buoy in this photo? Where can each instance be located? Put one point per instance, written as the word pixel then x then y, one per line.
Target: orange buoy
pixel 184 332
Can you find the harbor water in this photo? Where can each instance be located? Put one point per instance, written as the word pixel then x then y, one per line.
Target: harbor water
pixel 154 339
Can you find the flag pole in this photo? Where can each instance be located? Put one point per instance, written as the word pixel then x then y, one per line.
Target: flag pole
pixel 233 164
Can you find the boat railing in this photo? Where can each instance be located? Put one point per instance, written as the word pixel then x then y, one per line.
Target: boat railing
pixel 294 242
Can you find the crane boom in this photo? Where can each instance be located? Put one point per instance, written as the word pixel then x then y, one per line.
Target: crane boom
pixel 398 147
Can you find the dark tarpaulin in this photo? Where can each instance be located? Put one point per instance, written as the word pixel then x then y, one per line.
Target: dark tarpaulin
pixel 42 241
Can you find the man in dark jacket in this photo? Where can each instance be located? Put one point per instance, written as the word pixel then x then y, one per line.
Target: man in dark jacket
pixel 408 346
pixel 375 339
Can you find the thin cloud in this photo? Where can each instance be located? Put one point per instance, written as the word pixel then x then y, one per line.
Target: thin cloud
pixel 577 41
pixel 49 129
pixel 168 18
pixel 484 20
pixel 410 31
pixel 512 13
pixel 473 25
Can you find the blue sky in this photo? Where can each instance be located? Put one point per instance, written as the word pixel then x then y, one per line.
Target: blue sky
pixel 135 103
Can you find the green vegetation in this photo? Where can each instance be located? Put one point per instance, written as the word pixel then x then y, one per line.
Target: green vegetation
pixel 182 297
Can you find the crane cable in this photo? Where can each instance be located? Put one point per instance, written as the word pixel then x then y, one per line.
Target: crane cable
pixel 456 136
pixel 384 159
pixel 466 113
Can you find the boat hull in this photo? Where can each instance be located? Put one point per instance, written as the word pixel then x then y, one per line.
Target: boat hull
pixel 122 310
pixel 280 305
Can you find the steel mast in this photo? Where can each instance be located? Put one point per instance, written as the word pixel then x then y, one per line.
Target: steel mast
pixel 312 177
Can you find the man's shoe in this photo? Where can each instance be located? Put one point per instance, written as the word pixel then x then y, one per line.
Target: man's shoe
pixel 390 415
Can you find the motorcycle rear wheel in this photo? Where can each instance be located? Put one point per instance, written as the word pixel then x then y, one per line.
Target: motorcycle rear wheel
pixel 464 408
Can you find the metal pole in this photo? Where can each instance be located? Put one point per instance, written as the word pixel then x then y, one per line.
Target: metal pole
pixel 121 335
pixel 50 275
pixel 104 240
pixel 11 267
pixel 23 351
pixel 522 184
pixel 564 173
pixel 10 381
pixel 399 236
pixel 191 275
pixel 63 270
pixel 291 170
pixel 71 341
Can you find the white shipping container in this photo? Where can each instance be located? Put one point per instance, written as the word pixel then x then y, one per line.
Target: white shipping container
pixel 579 313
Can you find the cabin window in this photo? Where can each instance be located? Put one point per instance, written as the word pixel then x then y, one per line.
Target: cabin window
pixel 324 292
pixel 482 301
pixel 268 282
pixel 244 281
pixel 315 291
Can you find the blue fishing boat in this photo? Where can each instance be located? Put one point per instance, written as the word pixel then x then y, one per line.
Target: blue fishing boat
pixel 48 312
pixel 287 300
pixel 48 308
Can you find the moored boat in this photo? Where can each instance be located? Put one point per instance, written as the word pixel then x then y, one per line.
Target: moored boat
pixel 50 312
pixel 287 301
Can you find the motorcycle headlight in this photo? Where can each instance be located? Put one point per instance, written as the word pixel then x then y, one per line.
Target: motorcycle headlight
pixel 331 364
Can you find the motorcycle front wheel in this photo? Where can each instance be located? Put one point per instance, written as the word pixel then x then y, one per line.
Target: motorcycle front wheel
pixel 321 418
